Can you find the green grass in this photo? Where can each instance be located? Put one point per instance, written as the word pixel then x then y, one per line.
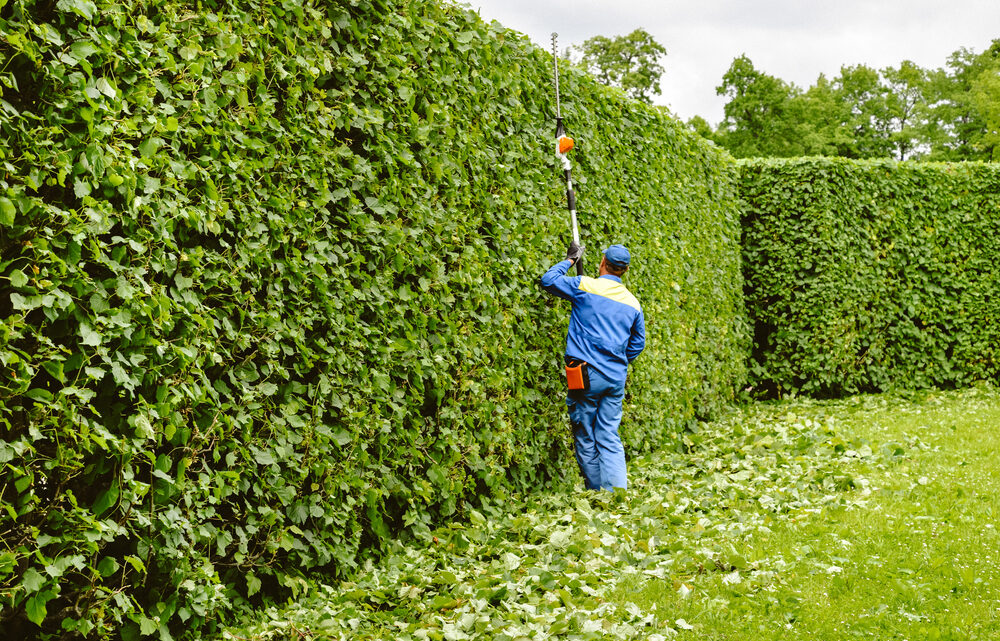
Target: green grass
pixel 913 555
pixel 872 517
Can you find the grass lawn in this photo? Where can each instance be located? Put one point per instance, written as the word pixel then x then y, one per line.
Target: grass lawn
pixel 872 517
pixel 909 553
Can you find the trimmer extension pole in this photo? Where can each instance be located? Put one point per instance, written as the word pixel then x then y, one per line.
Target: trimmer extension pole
pixel 563 144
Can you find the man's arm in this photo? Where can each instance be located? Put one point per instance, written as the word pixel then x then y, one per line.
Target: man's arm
pixel 637 340
pixel 555 280
pixel 557 283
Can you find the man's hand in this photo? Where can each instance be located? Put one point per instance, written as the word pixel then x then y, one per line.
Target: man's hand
pixel 574 253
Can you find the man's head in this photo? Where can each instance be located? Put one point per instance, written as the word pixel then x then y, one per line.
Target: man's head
pixel 616 260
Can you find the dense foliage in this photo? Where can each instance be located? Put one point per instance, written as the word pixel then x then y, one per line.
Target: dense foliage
pixel 865 276
pixel 905 112
pixel 268 291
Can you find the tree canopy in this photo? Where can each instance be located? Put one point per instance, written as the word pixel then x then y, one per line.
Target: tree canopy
pixel 903 112
pixel 629 62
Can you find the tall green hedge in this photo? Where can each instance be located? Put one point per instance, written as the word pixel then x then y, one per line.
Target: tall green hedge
pixel 868 276
pixel 268 291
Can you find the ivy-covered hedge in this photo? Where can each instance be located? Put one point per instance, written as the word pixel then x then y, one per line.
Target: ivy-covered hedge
pixel 868 276
pixel 268 291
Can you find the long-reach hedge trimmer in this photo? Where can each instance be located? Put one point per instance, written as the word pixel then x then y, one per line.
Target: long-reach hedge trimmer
pixel 563 144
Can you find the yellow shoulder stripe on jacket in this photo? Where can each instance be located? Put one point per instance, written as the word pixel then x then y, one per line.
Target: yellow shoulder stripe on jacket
pixel 609 289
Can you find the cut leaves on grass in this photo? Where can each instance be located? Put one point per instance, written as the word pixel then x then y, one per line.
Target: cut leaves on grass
pixel 794 520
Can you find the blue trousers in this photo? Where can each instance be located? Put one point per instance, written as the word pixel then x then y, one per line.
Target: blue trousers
pixel 595 415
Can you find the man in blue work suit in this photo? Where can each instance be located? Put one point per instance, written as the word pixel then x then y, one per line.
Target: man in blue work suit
pixel 606 333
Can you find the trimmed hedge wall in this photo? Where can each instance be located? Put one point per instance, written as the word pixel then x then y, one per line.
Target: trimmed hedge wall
pixel 869 276
pixel 268 291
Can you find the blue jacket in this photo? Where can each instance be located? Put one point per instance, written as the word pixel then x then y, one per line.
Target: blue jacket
pixel 606 326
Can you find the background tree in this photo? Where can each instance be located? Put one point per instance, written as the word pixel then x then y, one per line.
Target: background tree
pixel 701 127
pixel 905 112
pixel 866 112
pixel 822 126
pixel 906 107
pixel 628 62
pixel 985 99
pixel 957 125
pixel 759 115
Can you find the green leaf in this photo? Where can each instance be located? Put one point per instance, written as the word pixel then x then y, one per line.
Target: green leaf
pixel 23 483
pixel 7 212
pixel 146 626
pixel 187 53
pixel 107 566
pixel 24 302
pixel 89 336
pixel 95 373
pixel 83 8
pixel 149 147
pixel 39 395
pixel 83 49
pixel 253 584
pixel 73 253
pixel 55 370
pixel 18 278
pixel 143 428
pixel 299 513
pixel 136 563
pixel 437 475
pixel 106 500
pixel 82 188
pixel 341 437
pixel 130 631
pixel 8 560
pixel 106 88
pixel 32 580
pixel 34 607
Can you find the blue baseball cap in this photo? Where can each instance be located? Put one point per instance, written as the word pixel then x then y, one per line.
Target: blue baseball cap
pixel 617 256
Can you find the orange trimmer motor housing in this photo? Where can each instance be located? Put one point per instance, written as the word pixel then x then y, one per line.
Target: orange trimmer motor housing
pixel 565 144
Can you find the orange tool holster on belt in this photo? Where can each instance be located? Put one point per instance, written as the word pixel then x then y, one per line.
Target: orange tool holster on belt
pixel 577 376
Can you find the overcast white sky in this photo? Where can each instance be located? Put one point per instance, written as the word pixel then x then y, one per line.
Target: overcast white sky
pixel 795 40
